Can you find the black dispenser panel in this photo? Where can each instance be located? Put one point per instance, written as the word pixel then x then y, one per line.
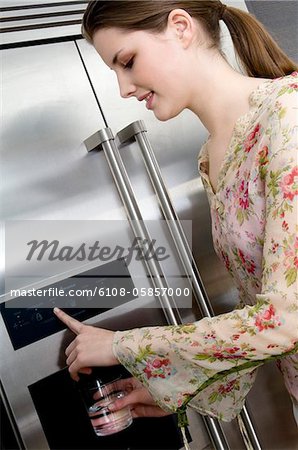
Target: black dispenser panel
pixel 67 427
pixel 27 325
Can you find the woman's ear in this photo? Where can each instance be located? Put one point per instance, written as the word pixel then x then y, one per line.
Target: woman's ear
pixel 182 26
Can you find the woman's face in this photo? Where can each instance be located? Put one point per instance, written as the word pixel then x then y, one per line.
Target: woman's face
pixel 150 67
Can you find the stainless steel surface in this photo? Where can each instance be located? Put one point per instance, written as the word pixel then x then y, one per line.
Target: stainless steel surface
pixel 95 141
pixel 216 434
pixel 13 424
pixel 48 111
pixel 248 430
pixel 26 20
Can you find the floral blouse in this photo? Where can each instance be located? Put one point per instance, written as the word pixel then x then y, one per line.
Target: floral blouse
pixel 211 364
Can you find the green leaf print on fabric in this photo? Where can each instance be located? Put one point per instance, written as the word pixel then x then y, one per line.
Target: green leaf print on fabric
pixel 144 353
pixel 273 185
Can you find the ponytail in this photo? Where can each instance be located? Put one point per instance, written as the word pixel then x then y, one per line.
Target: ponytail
pixel 259 54
pixel 257 51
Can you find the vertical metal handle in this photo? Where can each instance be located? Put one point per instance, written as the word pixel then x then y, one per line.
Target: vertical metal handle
pixel 137 131
pixel 105 139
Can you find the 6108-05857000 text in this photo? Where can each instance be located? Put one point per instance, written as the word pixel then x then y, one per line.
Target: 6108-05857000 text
pixel 101 292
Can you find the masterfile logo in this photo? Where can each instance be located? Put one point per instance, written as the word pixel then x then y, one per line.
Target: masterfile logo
pixel 141 249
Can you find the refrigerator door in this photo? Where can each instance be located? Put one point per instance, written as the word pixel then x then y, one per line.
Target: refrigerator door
pixel 49 179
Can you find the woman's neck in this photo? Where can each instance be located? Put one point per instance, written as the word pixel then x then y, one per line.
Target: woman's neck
pixel 220 95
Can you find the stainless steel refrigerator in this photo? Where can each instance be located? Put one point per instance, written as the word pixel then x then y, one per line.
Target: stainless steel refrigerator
pixel 56 93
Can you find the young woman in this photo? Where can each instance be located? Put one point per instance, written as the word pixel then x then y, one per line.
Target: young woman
pixel 168 54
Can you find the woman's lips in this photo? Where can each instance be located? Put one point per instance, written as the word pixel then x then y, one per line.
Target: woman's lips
pixel 149 100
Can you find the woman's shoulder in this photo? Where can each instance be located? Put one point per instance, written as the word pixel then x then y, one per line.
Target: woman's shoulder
pixel 284 89
pixel 287 86
pixel 276 101
pixel 279 89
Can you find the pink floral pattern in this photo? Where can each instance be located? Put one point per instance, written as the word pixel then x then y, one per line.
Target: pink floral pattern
pixel 289 184
pixel 267 319
pixel 158 367
pixel 252 138
pixel 211 364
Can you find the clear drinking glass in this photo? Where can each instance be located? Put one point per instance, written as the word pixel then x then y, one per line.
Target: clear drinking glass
pixel 98 396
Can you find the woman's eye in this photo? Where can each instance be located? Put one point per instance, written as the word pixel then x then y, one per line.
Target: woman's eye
pixel 129 64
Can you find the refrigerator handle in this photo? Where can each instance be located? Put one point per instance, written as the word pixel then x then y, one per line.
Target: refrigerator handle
pixel 136 131
pixel 104 139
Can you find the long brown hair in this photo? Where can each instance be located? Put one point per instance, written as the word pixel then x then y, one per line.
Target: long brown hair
pixel 259 54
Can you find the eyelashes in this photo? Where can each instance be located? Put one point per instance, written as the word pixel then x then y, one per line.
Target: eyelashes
pixel 129 64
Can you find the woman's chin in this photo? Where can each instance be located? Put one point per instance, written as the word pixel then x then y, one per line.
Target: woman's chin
pixel 163 116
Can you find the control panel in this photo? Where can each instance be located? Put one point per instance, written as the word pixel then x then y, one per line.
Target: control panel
pixel 29 324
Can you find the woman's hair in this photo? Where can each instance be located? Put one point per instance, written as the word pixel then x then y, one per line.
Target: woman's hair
pixel 259 54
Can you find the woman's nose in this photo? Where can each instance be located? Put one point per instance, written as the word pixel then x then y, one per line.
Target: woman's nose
pixel 126 87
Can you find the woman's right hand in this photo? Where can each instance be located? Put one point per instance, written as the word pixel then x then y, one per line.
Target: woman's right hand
pixel 138 399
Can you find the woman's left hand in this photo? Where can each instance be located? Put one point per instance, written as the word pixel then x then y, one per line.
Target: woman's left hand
pixel 138 399
pixel 92 346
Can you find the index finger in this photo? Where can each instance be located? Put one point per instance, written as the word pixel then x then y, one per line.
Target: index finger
pixel 73 324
